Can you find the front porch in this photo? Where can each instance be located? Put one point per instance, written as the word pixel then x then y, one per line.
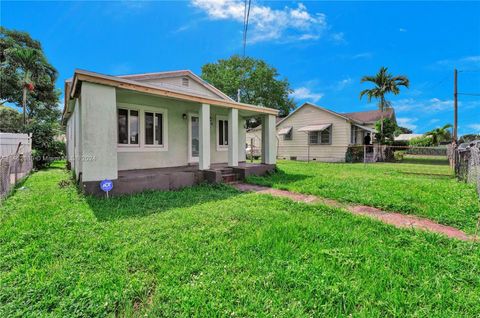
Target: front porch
pixel 172 178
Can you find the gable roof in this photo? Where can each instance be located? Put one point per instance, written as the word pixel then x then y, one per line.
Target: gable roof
pixel 167 74
pixel 321 108
pixel 73 86
pixel 371 116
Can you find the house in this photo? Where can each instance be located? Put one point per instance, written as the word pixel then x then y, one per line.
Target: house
pixel 312 132
pixel 158 131
pixel 407 137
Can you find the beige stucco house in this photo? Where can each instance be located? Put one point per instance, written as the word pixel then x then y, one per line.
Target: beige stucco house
pixel 312 132
pixel 158 131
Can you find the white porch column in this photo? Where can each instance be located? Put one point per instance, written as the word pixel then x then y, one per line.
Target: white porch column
pixel 233 137
pixel 204 129
pixel 269 140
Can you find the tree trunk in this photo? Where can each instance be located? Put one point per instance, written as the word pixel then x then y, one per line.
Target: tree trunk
pixel 24 106
pixel 382 105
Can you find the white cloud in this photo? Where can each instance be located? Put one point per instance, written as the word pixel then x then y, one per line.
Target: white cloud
pixel 364 55
pixel 402 30
pixel 475 128
pixel 339 38
pixel 407 122
pixel 304 93
pixel 265 23
pixel 463 62
pixel 432 105
pixel 342 83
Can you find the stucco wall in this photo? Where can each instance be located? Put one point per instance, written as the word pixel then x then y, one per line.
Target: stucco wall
pixel 177 134
pixel 98 132
pixel 298 146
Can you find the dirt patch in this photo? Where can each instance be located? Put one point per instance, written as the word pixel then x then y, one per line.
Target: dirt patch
pixel 393 218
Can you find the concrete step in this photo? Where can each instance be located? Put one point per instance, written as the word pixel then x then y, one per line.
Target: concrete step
pixel 226 170
pixel 230 177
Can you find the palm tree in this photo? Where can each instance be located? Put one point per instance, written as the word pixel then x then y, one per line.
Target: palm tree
pixel 385 83
pixel 440 134
pixel 29 61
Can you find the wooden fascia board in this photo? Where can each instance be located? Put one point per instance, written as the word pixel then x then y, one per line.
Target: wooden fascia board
pixel 165 93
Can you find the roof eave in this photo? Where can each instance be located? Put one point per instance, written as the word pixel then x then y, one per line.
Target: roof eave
pixel 87 76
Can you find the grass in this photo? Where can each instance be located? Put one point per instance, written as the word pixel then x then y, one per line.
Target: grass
pixel 212 251
pixel 427 190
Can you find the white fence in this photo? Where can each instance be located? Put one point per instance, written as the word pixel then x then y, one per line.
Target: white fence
pixel 11 144
pixel 15 160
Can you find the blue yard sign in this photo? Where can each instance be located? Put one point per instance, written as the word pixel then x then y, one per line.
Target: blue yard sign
pixel 106 185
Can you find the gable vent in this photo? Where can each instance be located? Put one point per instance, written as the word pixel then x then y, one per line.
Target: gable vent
pixel 185 81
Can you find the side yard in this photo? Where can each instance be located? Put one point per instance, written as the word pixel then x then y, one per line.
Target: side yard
pixel 427 189
pixel 213 251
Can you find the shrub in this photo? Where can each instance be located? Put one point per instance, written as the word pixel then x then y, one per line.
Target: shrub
pixel 354 154
pixel 45 149
pixel 423 141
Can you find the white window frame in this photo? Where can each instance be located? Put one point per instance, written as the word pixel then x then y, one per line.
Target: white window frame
pixel 217 135
pixel 154 130
pixel 319 138
pixel 142 147
pixel 129 145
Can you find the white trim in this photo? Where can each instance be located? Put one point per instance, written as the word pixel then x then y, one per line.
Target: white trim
pixel 217 132
pixel 192 159
pixel 142 147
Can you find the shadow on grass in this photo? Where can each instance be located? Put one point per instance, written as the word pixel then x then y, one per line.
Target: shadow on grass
pixel 151 202
pixel 279 177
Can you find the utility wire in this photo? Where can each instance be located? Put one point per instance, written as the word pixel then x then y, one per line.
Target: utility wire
pixel 246 16
pixel 469 94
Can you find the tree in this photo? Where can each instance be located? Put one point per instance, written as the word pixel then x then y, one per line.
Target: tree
pixel 402 130
pixel 258 82
pixel 440 134
pixel 386 131
pixel 469 137
pixel 10 120
pixel 385 83
pixel 24 67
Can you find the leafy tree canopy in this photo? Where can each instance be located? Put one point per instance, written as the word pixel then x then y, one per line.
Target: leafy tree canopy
pixel 469 137
pixel 16 48
pixel 10 120
pixel 402 130
pixel 258 82
pixel 440 134
pixel 385 136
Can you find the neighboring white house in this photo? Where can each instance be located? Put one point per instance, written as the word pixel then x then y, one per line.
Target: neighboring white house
pixel 312 132
pixel 119 126
pixel 407 137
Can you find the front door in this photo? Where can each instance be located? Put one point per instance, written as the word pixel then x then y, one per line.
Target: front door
pixel 193 138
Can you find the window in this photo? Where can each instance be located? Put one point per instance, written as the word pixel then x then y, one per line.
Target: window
pixel 353 135
pixel 323 137
pixel 128 126
pixel 288 136
pixel 153 128
pixel 185 81
pixel 222 132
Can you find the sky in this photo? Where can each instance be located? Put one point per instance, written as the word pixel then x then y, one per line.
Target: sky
pixel 323 48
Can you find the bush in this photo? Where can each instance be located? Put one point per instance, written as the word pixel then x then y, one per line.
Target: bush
pixel 354 154
pixel 45 149
pixel 398 155
pixel 423 141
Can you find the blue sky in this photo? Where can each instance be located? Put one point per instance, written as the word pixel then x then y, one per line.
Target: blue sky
pixel 323 48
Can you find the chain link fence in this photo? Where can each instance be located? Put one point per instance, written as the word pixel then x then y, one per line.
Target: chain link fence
pixel 467 164
pixel 13 168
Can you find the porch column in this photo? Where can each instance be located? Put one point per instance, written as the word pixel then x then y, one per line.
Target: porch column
pixel 269 140
pixel 204 129
pixel 233 137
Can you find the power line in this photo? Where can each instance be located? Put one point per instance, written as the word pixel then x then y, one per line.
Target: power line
pixel 470 94
pixel 246 16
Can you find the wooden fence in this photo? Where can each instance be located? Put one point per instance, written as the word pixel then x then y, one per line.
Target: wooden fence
pixel 11 144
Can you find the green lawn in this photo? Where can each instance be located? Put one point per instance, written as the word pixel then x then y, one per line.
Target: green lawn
pixel 213 251
pixel 427 190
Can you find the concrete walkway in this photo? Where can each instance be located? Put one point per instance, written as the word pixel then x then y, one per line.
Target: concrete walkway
pixel 395 219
